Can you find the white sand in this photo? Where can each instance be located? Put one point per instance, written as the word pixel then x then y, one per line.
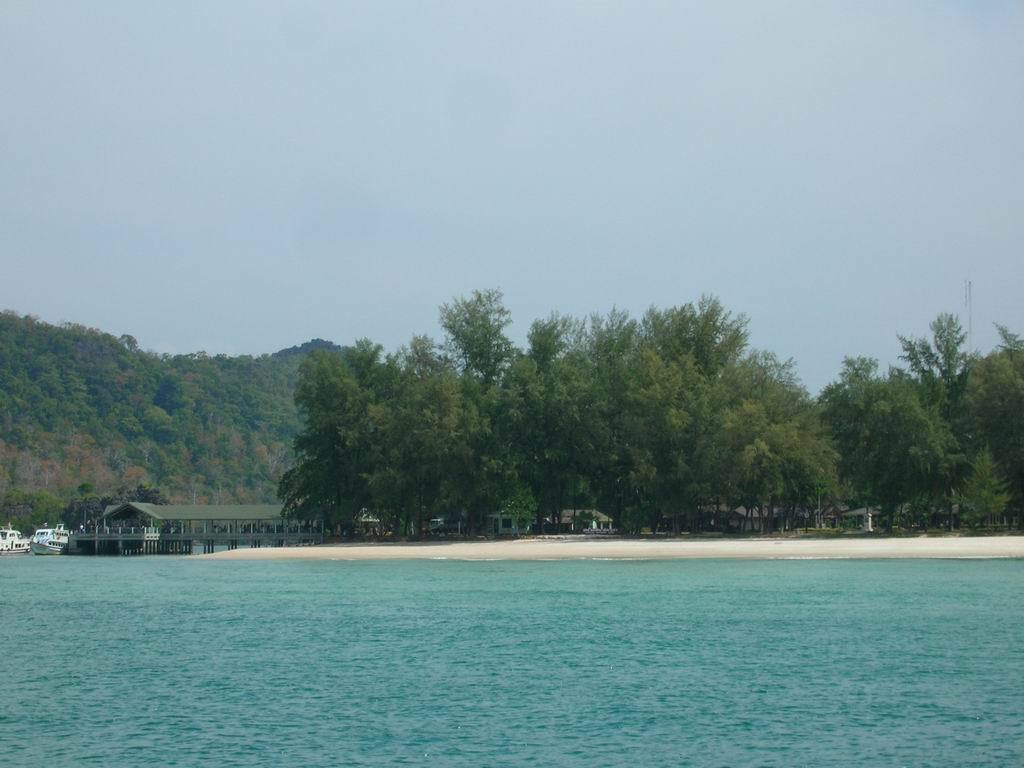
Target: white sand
pixel 575 548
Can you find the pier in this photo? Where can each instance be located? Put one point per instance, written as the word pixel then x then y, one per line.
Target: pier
pixel 157 529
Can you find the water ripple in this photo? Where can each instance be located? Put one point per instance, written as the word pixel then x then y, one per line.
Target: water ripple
pixel 160 661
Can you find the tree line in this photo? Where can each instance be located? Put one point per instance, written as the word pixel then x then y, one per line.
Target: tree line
pixel 668 422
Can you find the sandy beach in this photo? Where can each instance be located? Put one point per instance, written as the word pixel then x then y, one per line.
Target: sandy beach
pixel 577 548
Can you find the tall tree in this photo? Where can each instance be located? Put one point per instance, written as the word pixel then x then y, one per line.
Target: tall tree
pixel 334 449
pixel 544 416
pixel 985 496
pixel 706 334
pixel 777 457
pixel 475 334
pixel 612 346
pixel 941 365
pixel 995 402
pixel 892 446
pixel 419 432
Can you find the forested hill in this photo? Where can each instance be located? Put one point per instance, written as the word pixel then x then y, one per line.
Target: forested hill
pixel 78 406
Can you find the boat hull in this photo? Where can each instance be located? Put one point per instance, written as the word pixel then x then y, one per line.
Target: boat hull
pixel 46 549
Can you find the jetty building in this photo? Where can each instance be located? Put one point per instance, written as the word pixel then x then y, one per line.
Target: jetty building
pixel 135 528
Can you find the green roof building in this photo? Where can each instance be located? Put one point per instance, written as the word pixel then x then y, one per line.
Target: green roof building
pixel 140 528
pixel 196 512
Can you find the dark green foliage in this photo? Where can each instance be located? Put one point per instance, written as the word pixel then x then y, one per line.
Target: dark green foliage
pixel 333 451
pixel 475 329
pixel 87 506
pixel 667 423
pixel 893 443
pixel 984 498
pixel 664 423
pixel 995 408
pixel 28 510
pixel 919 443
pixel 941 365
pixel 301 350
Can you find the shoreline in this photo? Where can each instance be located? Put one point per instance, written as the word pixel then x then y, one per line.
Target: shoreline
pixel 579 548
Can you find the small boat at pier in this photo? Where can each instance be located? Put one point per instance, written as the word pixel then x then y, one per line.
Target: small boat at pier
pixel 50 541
pixel 12 542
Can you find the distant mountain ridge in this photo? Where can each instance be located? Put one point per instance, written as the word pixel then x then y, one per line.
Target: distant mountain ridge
pixel 309 346
pixel 80 406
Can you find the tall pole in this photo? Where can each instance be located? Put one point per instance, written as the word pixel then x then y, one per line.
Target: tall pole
pixel 968 301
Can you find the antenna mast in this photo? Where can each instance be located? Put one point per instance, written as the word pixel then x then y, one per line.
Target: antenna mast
pixel 970 315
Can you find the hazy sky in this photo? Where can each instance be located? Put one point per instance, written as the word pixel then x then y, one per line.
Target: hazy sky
pixel 241 176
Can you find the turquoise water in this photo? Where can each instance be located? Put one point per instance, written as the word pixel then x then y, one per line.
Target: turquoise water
pixel 178 661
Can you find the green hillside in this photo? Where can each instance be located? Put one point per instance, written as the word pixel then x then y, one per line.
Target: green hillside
pixel 78 406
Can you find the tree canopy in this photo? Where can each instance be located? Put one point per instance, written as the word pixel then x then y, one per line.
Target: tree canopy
pixel 667 422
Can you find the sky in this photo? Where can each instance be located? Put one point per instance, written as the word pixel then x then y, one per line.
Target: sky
pixel 239 177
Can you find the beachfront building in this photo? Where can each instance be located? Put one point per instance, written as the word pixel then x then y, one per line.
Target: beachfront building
pixel 865 517
pixel 366 523
pixel 584 521
pixel 503 524
pixel 138 528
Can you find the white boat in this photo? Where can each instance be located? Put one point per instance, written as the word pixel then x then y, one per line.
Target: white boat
pixel 50 541
pixel 12 542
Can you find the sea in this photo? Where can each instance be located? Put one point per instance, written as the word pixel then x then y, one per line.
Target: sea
pixel 186 661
